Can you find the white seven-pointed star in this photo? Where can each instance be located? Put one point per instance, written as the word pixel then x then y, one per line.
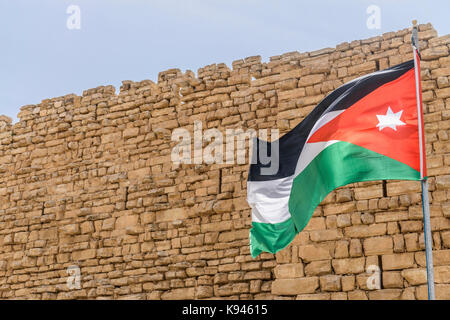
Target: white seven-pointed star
pixel 391 120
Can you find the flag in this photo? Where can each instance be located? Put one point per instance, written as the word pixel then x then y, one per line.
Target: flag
pixel 365 130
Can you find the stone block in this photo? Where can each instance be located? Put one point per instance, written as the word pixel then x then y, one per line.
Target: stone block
pixel 378 245
pixel 397 261
pixel 295 286
pixel 348 266
pixel 290 270
pixel 172 215
pixel 313 252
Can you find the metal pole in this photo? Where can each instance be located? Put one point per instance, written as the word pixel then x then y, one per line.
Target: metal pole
pixel 428 242
pixel 424 182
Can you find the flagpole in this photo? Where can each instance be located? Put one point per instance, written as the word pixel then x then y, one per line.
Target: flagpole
pixel 423 180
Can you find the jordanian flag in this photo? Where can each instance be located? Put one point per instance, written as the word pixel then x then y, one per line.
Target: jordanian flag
pixel 368 129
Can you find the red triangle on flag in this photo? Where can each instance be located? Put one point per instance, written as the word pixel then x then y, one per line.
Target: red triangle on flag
pixel 384 121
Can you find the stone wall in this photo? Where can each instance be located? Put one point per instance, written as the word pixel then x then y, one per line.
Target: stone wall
pixel 87 181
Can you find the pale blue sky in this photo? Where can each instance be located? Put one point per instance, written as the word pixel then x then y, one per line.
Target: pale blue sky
pixel 135 39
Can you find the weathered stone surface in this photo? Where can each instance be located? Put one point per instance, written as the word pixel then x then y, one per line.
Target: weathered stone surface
pixel 363 231
pixel 348 266
pixel 295 286
pixel 84 255
pixel 392 279
pixel 330 283
pixel 378 245
pixel 287 271
pixel 442 274
pixel 171 215
pixel 415 276
pixel 397 261
pixel 317 268
pixel 179 294
pixel 89 181
pixel 310 253
pixel 435 52
pixel 385 294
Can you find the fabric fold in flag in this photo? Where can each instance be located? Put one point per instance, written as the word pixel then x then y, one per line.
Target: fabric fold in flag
pixel 365 130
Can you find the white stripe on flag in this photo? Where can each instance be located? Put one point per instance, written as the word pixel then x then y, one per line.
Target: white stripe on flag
pixel 269 200
pixel 310 151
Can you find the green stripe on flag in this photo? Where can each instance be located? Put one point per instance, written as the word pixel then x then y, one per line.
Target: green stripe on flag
pixel 271 237
pixel 338 165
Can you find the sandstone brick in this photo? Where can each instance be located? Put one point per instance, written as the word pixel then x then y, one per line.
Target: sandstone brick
pixel 402 187
pixel 325 235
pixel 310 253
pixel 138 173
pixel 415 276
pixel 357 295
pixel 446 238
pixel 369 192
pixel 292 94
pixel 127 220
pixel 442 274
pixel 202 292
pixel 390 216
pixel 355 248
pixel 318 268
pixel 348 283
pixel 310 80
pixel 363 231
pixel 344 207
pixel 84 254
pixel 443 182
pixel 339 296
pixel 111 137
pixel 179 294
pixel 71 229
pixel 397 261
pixel 399 243
pixel 130 132
pixel 435 52
pixel 315 224
pixel 443 93
pixel 291 270
pixel 365 67
pixel 254 275
pixel 330 283
pixel 385 294
pixel 409 294
pixel 295 286
pixel 20 237
pixel 343 220
pixel 392 279
pixel 378 245
pixel 348 266
pixel 344 195
pixel 341 250
pixel 313 296
pixel 171 215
